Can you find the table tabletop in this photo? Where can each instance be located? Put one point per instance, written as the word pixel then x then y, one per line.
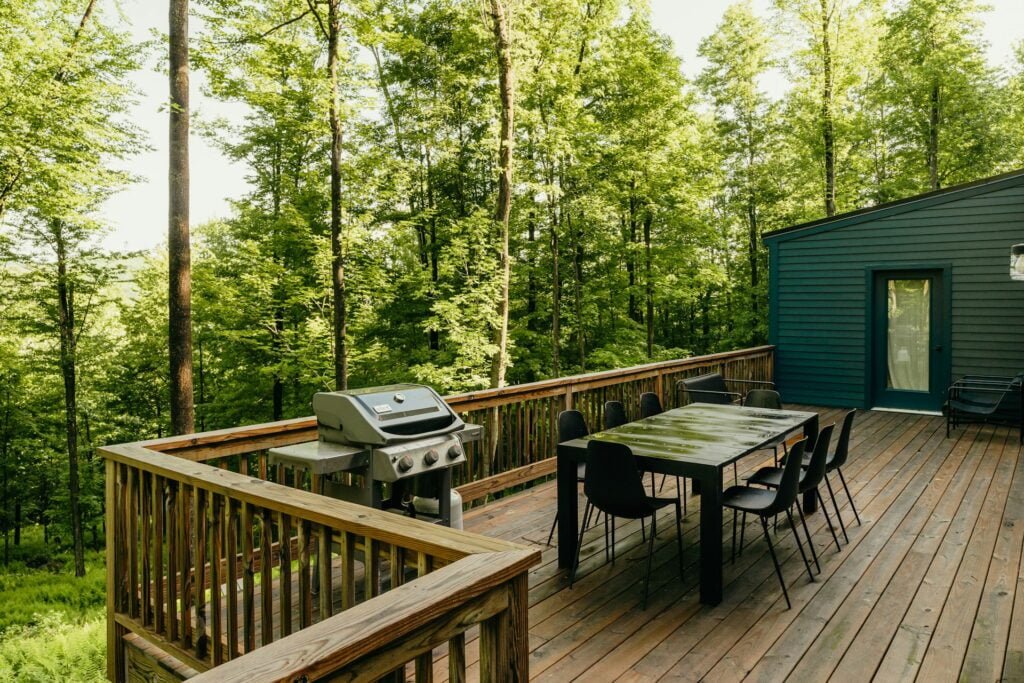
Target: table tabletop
pixel 703 433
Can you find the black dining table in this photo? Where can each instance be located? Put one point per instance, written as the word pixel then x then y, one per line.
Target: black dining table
pixel 696 441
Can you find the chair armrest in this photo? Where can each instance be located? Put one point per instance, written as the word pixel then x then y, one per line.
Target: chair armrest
pixel 752 381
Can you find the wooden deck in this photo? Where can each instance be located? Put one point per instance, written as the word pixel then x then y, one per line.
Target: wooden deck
pixel 929 588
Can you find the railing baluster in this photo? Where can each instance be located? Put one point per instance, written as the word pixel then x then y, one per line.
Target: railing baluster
pixel 133 542
pixel 231 596
pixel 173 559
pixel 187 574
pixel 248 581
pixel 145 509
pixel 371 564
pixel 305 587
pixel 217 578
pixel 348 570
pixel 457 659
pixel 285 545
pixel 159 529
pixel 266 577
pixel 202 543
pixel 324 566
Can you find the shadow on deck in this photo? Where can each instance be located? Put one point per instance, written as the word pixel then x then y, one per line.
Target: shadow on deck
pixel 928 588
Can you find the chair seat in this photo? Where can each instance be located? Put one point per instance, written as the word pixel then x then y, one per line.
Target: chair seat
pixel 972 408
pixel 645 508
pixel 767 476
pixel 748 499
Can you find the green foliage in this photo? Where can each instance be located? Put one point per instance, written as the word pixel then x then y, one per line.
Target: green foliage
pixel 42 587
pixel 55 649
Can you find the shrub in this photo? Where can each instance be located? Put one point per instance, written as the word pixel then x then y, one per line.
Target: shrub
pixel 54 649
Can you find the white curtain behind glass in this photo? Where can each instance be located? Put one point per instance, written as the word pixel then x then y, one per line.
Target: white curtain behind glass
pixel 909 329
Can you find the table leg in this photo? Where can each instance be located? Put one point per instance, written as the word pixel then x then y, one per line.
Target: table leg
pixel 568 510
pixel 696 487
pixel 711 538
pixel 811 433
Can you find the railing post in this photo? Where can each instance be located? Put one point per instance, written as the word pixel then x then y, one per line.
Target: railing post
pixel 115 632
pixel 494 649
pixel 519 627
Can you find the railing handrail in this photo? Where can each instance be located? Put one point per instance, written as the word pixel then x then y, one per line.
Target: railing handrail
pixel 328 646
pixel 413 534
pixel 235 440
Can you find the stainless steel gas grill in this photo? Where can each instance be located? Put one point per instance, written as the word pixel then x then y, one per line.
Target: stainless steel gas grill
pixel 397 443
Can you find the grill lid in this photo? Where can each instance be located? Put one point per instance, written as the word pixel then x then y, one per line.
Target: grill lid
pixel 383 415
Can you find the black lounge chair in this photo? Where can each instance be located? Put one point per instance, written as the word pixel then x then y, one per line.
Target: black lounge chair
pixel 714 388
pixel 986 399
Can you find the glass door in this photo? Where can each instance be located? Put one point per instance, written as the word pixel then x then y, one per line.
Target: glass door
pixel 909 332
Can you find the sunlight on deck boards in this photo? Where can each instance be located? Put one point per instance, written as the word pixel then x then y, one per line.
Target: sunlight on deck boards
pixel 926 588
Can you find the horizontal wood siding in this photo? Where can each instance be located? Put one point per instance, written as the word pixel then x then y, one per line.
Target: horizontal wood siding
pixel 820 309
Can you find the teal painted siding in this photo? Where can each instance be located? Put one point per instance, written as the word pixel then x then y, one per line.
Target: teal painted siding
pixel 819 304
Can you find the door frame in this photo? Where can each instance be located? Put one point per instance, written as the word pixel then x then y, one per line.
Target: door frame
pixel 942 328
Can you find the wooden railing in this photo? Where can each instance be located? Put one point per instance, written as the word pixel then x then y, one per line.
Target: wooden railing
pixel 233 566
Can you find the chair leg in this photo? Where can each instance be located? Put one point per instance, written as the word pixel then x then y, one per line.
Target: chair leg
pixel 799 543
pixel 775 560
pixel 828 519
pixel 810 542
pixel 679 536
pixel 643 529
pixel 732 559
pixel 650 554
pixel 835 506
pixel 607 556
pixel 579 545
pixel 848 496
pixel 681 486
pixel 735 474
pixel 554 523
pixel 613 538
pixel 743 531
pixel 662 485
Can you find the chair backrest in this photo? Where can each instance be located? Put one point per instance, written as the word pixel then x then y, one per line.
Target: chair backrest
pixel 708 388
pixel 613 483
pixel 650 404
pixel 789 484
pixel 816 468
pixel 763 398
pixel 571 425
pixel 614 414
pixel 842 451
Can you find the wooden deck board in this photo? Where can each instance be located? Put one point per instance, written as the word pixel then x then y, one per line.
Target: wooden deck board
pixel 933 577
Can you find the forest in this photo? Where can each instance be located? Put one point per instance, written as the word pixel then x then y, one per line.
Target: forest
pixel 436 196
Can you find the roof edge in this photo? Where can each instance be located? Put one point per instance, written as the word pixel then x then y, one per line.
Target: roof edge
pixel 858 215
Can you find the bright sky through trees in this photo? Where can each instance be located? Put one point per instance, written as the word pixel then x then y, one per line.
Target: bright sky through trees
pixel 138 215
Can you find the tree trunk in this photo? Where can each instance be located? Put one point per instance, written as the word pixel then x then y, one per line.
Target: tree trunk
pixel 556 302
pixel 827 121
pixel 649 276
pixel 506 89
pixel 337 253
pixel 934 121
pixel 179 300
pixel 68 340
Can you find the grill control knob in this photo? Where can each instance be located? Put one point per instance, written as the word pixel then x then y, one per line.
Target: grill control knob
pixel 431 457
pixel 454 452
pixel 405 463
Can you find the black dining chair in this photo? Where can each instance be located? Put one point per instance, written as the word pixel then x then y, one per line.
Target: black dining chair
pixel 614 414
pixel 771 400
pixel 813 474
pixel 767 503
pixel 835 463
pixel 650 405
pixel 613 485
pixel 571 425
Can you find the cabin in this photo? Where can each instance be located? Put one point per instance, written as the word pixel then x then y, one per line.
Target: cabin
pixel 884 307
